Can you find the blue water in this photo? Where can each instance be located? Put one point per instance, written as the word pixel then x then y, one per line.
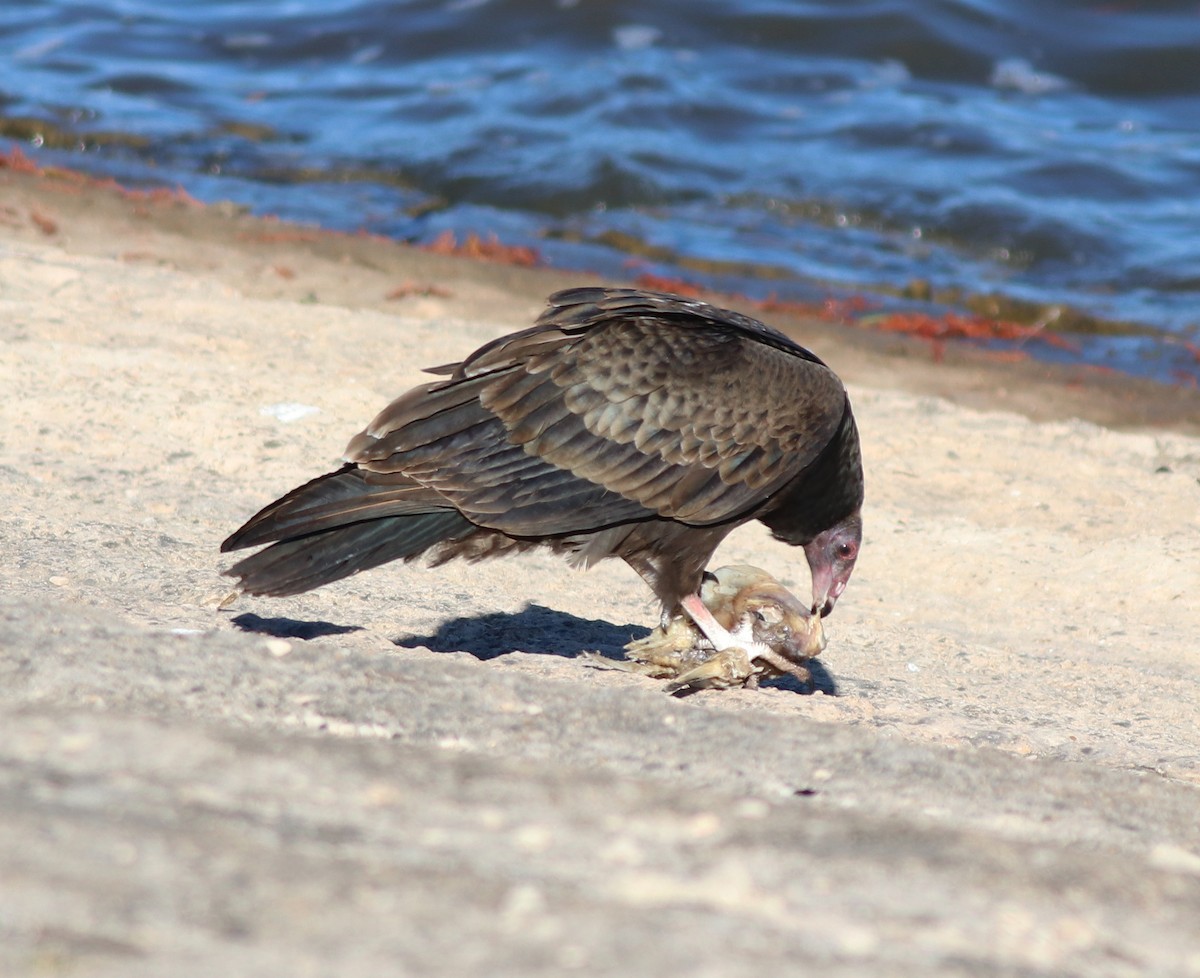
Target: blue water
pixel 1043 151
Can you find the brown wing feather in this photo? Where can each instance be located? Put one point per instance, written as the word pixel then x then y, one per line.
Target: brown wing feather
pixel 727 419
pixel 442 437
pixel 617 406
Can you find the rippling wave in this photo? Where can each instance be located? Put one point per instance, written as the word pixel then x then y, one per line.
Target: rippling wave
pixel 1046 152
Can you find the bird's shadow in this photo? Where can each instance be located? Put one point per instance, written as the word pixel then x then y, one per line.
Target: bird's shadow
pixel 547 631
pixel 291 627
pixel 532 629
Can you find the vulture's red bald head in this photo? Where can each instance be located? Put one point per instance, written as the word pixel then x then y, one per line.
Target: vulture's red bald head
pixel 831 556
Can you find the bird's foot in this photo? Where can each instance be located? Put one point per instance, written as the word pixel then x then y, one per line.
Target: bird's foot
pixel 663 654
pixel 671 649
pixel 721 670
pixel 653 669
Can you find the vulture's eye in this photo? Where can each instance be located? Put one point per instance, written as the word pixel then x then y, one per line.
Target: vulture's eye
pixel 846 551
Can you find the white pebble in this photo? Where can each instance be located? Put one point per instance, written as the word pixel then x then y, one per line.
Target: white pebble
pixel 278 647
pixel 287 411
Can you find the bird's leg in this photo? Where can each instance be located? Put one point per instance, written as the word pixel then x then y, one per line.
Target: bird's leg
pixel 713 630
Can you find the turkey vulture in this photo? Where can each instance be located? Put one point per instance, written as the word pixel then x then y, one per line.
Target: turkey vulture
pixel 624 423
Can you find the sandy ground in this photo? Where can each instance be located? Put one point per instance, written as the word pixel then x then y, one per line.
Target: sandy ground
pixel 410 772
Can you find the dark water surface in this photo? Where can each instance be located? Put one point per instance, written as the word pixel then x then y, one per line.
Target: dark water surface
pixel 1047 152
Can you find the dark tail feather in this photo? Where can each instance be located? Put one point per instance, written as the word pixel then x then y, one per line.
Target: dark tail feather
pixel 338 525
pixel 306 562
pixel 334 499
